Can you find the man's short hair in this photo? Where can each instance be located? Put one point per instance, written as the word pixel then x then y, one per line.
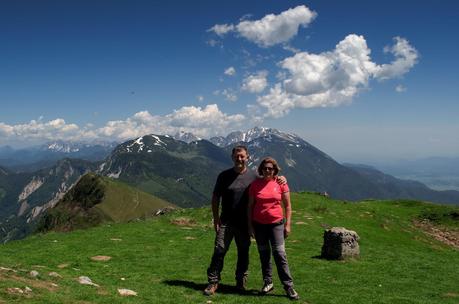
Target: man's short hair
pixel 239 148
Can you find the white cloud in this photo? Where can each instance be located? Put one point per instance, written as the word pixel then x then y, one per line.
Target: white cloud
pixel 204 122
pixel 291 49
pixel 255 83
pixel 231 71
pixel 200 98
pixel 271 29
pixel 406 56
pixel 331 78
pixel 221 29
pixel 400 88
pixel 39 130
pixel 229 95
pixel 277 102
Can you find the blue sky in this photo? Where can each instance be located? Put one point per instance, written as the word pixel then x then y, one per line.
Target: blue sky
pixel 361 80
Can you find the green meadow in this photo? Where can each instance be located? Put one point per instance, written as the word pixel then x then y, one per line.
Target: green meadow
pixel 164 259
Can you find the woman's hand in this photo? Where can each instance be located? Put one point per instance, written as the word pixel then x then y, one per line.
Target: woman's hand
pixel 286 231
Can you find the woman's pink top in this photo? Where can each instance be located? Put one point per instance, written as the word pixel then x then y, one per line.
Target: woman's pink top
pixel 267 196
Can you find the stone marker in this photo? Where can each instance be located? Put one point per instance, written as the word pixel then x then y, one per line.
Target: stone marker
pixel 340 244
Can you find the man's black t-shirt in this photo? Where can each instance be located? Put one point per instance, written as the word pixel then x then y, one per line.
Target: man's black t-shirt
pixel 233 188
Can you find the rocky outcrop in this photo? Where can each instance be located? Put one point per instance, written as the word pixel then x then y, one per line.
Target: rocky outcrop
pixel 30 188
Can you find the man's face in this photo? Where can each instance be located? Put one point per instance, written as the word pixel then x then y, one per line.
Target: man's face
pixel 240 158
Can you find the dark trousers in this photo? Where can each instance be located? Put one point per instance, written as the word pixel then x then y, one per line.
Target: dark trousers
pixel 271 237
pixel 222 243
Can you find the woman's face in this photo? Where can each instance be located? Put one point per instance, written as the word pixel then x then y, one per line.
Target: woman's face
pixel 268 170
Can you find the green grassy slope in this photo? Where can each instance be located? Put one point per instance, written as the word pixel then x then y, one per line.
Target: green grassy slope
pixel 122 202
pixel 164 259
pixel 96 199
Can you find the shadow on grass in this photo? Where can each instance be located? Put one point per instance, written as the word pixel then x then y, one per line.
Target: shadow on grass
pixel 222 288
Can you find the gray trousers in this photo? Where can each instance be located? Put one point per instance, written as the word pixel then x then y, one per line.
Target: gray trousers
pixel 271 236
pixel 222 243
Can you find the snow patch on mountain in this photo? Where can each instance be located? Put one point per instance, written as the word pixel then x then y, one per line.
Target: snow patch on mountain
pixel 60 146
pixel 158 142
pixel 139 142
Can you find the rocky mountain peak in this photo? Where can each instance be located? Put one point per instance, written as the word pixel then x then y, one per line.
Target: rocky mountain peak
pixel 186 137
pixel 252 134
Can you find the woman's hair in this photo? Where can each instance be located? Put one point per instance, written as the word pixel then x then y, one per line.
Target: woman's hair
pixel 268 160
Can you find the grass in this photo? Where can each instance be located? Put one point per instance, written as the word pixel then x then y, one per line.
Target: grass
pixel 122 202
pixel 165 259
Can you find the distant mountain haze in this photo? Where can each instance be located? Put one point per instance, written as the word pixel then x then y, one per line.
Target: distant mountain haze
pixel 39 157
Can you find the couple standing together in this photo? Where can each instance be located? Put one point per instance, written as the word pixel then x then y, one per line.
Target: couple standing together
pixel 251 206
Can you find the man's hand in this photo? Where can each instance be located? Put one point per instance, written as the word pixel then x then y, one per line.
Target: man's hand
pixel 286 231
pixel 217 223
pixel 251 231
pixel 281 180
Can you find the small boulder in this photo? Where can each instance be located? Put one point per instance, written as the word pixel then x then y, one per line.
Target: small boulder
pixel 54 275
pixel 34 273
pixel 86 281
pixel 340 244
pixel 14 290
pixel 126 292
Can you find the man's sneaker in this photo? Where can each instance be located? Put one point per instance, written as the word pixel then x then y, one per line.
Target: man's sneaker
pixel 291 293
pixel 267 287
pixel 241 284
pixel 211 289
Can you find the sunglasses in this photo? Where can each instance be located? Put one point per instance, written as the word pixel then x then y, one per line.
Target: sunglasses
pixel 267 168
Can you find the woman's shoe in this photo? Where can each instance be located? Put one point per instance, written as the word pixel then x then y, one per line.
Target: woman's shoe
pixel 267 287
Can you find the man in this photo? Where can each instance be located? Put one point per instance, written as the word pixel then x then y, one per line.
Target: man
pixel 232 188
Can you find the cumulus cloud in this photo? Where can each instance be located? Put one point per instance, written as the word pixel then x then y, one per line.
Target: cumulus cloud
pixel 39 130
pixel 202 121
pixel 406 56
pixel 255 83
pixel 332 78
pixel 229 95
pixel 271 29
pixel 221 29
pixel 231 71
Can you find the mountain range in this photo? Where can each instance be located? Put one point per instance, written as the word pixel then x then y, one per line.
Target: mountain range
pixel 34 158
pixel 182 169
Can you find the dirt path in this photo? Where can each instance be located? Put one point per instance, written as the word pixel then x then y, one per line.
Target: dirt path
pixel 444 235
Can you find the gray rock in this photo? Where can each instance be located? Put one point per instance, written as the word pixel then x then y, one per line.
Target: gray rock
pixel 34 274
pixel 86 281
pixel 340 244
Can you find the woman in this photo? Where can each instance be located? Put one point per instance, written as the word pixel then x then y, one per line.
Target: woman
pixel 266 222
